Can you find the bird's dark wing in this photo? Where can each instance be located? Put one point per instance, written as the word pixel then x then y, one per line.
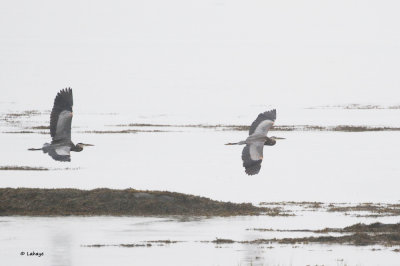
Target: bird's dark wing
pixel 263 123
pixel 61 116
pixel 60 153
pixel 252 156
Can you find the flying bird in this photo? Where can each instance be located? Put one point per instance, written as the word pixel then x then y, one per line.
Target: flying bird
pixel 252 154
pixel 60 129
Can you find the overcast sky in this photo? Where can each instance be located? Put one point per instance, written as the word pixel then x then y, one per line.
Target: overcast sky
pixel 213 52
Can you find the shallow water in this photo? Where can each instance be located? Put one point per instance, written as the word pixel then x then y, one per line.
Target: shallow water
pixel 63 241
pixel 306 166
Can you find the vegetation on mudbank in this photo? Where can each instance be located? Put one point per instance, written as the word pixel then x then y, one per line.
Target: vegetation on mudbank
pixel 27 113
pixel 127 131
pixel 149 243
pixel 356 106
pixel 17 116
pixel 374 209
pixel 32 168
pixel 368 228
pixel 341 128
pixel 26 132
pixel 357 239
pixel 357 234
pixel 136 128
pixel 356 228
pixel 22 168
pixel 102 201
pixel 366 209
pixel 119 245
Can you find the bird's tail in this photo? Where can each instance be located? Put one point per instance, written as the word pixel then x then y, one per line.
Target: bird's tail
pixel 33 149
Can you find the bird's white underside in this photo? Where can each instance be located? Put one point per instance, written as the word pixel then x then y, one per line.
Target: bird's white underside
pixel 264 127
pixel 256 151
pixel 257 139
pixel 63 150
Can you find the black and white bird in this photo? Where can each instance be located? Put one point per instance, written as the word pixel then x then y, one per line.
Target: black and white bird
pixel 60 129
pixel 252 154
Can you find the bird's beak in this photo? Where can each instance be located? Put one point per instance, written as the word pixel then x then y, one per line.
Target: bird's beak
pixel 87 144
pixel 276 138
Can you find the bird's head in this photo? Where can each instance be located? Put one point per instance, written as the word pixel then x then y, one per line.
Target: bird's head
pixel 272 141
pixel 79 146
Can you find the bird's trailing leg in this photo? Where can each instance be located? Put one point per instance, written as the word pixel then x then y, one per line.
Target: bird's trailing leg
pixel 44 148
pixel 236 143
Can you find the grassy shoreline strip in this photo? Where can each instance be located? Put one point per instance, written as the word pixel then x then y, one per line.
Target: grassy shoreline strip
pixel 340 128
pixel 128 202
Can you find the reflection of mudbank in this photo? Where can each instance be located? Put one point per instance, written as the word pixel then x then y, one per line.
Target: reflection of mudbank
pixel 42 202
pixel 60 249
pixel 253 255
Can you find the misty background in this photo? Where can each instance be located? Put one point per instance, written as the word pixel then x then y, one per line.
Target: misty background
pixel 173 56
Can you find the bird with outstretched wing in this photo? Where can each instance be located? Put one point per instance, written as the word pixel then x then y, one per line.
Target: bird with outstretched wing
pixel 252 154
pixel 60 128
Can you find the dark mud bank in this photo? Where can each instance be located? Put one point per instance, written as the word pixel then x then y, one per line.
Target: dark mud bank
pixel 131 202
